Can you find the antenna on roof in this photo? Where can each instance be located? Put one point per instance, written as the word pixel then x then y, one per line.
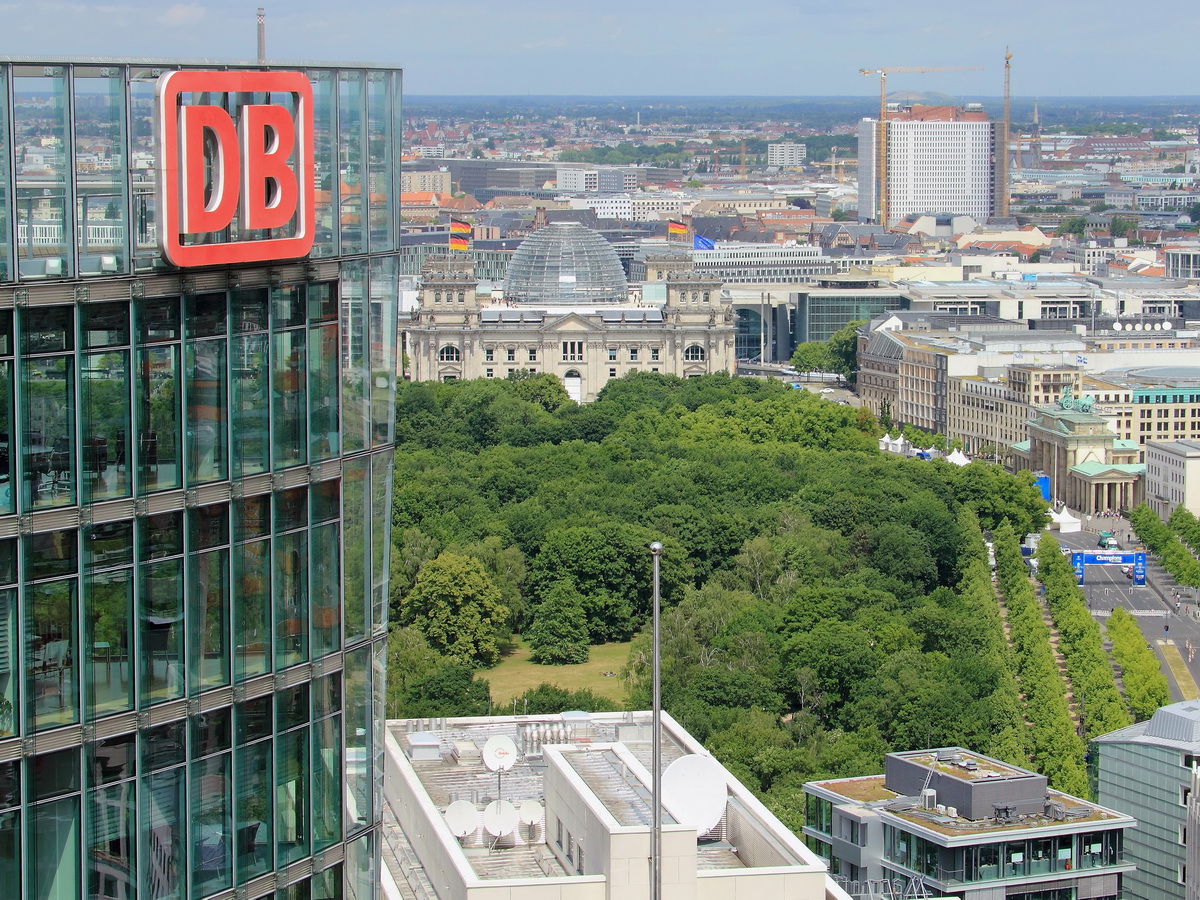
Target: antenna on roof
pixel 262 35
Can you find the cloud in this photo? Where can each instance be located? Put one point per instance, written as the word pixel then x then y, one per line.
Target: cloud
pixel 182 14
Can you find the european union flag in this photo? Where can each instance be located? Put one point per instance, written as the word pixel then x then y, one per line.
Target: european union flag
pixel 702 243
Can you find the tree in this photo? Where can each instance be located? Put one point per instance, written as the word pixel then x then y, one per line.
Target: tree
pixel 1120 227
pixel 813 357
pixel 1076 225
pixel 449 690
pixel 457 607
pixel 559 633
pixel 843 346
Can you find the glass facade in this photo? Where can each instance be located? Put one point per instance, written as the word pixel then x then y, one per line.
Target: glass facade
pixel 195 486
pixel 562 264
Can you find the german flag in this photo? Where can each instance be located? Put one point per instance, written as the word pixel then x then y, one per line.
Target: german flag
pixel 458 226
pixel 676 229
pixel 458 242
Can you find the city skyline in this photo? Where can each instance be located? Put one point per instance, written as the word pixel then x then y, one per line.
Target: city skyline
pixel 670 48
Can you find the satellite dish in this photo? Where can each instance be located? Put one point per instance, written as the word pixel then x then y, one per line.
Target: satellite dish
pixel 499 753
pixel 1158 326
pixel 500 818
pixel 462 818
pixel 1167 326
pixel 530 812
pixel 1117 326
pixel 1138 327
pixel 695 791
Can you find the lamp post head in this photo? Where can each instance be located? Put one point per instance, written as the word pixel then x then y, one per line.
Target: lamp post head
pixel 656 549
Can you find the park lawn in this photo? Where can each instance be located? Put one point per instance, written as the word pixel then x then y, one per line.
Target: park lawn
pixel 515 674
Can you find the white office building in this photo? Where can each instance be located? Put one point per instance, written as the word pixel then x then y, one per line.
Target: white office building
pixel 578 181
pixel 786 155
pixel 932 167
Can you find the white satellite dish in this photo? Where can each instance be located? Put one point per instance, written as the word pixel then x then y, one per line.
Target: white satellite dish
pixel 462 818
pixel 1167 326
pixel 530 812
pixel 500 818
pixel 1158 326
pixel 1117 326
pixel 1138 327
pixel 499 753
pixel 695 791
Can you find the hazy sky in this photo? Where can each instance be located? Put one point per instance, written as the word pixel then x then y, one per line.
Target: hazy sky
pixel 656 47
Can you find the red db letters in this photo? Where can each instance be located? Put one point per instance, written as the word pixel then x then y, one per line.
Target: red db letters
pixel 255 173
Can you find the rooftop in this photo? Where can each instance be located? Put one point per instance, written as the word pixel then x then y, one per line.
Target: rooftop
pixel 585 773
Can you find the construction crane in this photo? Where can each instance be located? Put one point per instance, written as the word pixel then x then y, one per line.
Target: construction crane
pixel 881 125
pixel 1003 188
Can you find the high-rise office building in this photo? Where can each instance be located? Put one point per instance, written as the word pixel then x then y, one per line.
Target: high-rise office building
pixel 940 159
pixel 197 345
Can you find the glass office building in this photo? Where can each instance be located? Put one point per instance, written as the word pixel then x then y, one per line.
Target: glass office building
pixel 195 485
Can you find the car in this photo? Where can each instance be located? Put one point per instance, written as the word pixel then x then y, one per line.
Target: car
pixel 826 390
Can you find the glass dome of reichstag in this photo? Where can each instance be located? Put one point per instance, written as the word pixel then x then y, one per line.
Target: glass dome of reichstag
pixel 565 264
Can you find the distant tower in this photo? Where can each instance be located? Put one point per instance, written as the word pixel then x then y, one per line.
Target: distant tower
pixel 262 35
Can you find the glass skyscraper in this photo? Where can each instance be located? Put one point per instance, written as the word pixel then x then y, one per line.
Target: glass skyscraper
pixel 195 491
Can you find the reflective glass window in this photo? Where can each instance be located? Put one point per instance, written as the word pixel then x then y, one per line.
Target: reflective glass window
pixel 160 535
pixel 359 699
pixel 204 315
pixel 208 526
pixel 354 504
pixel 352 153
pixel 6 270
pixel 104 325
pixel 162 817
pixel 112 759
pixel 253 719
pixel 100 170
pixel 322 302
pixel 158 418
pixel 381 506
pixel 382 320
pixel 51 553
pixel 291 598
pixel 327 885
pixel 323 375
pixel 252 608
pixel 379 159
pixel 291 509
pixel 291 796
pixel 289 408
pixel 51 679
pixel 327 782
pixel 252 517
pixel 158 320
pixel 356 372
pixel 289 303
pixel 160 616
pixel 10 847
pixel 211 825
pixel 325 159
pixel 106 416
pixel 52 864
pixel 9 633
pixel 207 437
pixel 325 575
pixel 53 774
pixel 208 620
pixel 326 500
pixel 327 695
pixel 211 732
pixel 48 426
pixel 254 811
pixel 40 134
pixel 251 411
pixel 291 707
pixel 112 839
pixel 108 626
pixel 163 746
pixel 143 145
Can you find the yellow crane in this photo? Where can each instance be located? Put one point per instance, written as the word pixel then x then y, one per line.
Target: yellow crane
pixel 881 126
pixel 1003 188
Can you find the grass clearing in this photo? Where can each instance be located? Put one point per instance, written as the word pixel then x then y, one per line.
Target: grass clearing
pixel 515 674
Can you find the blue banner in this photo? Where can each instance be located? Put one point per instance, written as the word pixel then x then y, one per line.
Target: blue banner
pixel 702 243
pixel 1137 559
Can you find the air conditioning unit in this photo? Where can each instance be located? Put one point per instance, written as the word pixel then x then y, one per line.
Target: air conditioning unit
pixel 928 798
pixel 941 809
pixel 952 812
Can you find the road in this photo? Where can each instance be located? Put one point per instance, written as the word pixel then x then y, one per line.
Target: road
pixel 1172 634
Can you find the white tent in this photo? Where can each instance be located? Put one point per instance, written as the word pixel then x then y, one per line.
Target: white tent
pixel 958 458
pixel 1064 521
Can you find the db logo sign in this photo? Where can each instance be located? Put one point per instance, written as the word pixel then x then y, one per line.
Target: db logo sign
pixel 234 191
